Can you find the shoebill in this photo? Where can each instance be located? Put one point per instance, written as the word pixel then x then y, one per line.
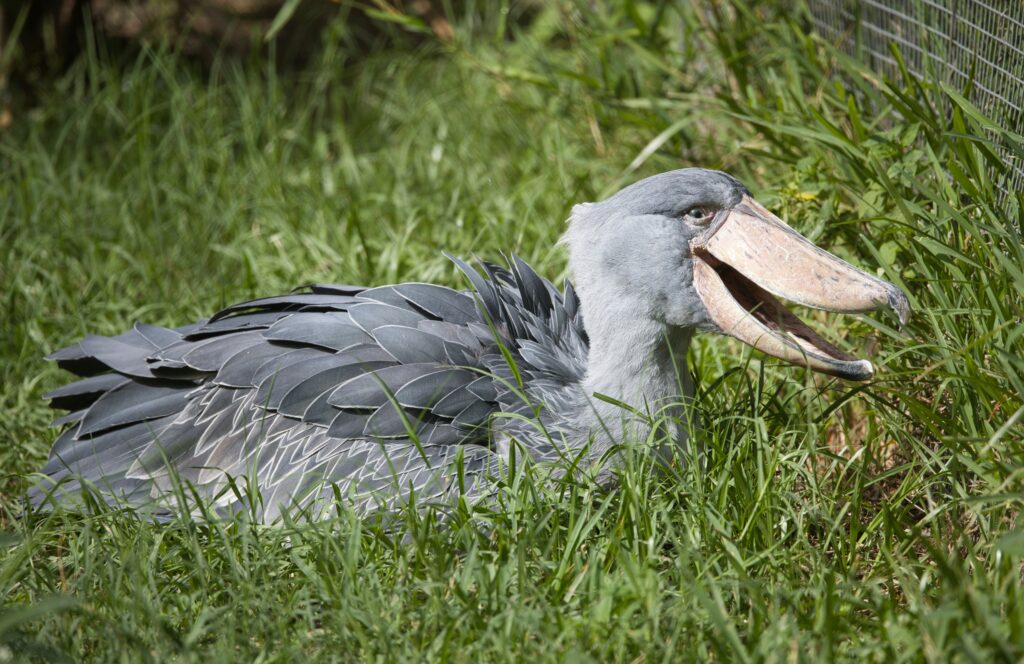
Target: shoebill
pixel 379 394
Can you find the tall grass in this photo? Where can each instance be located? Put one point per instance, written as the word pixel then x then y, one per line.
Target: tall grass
pixel 814 520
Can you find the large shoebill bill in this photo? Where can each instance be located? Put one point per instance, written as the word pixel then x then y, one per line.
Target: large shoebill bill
pixel 416 390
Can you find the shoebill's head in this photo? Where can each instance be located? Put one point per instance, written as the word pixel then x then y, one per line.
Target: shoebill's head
pixel 692 249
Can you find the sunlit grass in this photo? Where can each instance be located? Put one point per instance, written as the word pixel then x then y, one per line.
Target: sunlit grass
pixel 809 518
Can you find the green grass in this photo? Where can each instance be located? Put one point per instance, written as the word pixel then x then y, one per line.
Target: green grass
pixel 822 520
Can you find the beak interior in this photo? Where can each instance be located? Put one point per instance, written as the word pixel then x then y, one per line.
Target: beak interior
pixel 771 313
pixel 795 341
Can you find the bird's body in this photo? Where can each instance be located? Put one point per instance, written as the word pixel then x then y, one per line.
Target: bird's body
pixel 371 392
pixel 415 390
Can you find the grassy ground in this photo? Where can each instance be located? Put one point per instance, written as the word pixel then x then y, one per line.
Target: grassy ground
pixel 826 520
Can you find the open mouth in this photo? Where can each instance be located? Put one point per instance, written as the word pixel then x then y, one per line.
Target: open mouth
pixel 779 322
pixel 750 257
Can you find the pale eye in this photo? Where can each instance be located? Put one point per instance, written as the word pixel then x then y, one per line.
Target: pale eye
pixel 699 214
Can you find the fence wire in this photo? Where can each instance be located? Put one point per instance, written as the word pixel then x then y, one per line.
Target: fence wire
pixel 980 42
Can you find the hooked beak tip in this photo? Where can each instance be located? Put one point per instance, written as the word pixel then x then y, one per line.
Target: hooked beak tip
pixel 899 303
pixel 865 371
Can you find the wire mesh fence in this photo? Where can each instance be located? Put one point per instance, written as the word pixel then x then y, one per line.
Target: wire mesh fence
pixel 974 45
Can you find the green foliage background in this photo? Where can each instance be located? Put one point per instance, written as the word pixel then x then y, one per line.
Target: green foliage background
pixel 822 520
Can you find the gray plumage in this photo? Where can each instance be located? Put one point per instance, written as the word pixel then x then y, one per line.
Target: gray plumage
pixel 381 393
pixel 311 390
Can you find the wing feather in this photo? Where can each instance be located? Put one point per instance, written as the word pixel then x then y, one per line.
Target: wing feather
pixel 371 390
pixel 409 345
pixel 336 289
pixel 125 353
pixel 286 358
pixel 131 403
pixel 256 321
pixel 291 302
pixel 474 414
pixel 240 369
pixel 210 355
pixel 428 390
pixel 84 392
pixel 301 395
pixel 158 337
pixel 440 302
pixel 331 330
pixel 454 402
pixel 389 421
pixel 371 315
pixel 347 425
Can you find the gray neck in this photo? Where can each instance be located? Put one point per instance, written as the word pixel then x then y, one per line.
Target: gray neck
pixel 634 356
pixel 636 360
